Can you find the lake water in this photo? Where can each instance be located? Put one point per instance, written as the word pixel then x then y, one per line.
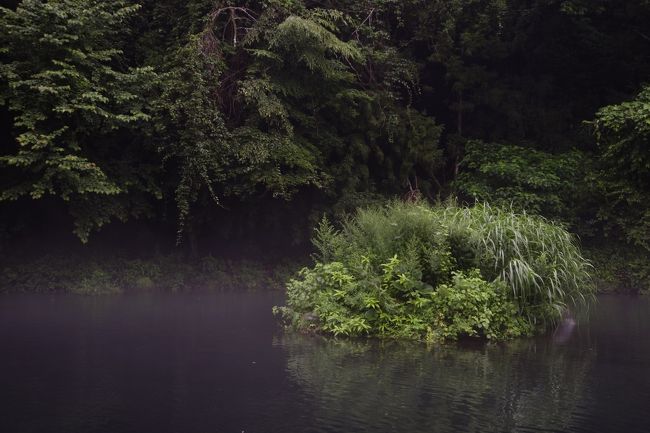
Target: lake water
pixel 219 363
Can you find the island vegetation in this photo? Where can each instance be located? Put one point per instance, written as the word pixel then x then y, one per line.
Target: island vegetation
pixel 156 141
pixel 410 270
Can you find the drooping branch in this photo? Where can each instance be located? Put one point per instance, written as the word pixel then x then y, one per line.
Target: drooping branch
pixel 226 26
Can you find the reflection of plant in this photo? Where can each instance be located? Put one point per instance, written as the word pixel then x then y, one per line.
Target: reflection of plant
pixel 438 272
pixel 379 383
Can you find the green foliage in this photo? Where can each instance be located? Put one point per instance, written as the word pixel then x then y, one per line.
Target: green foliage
pixel 269 112
pixel 623 135
pixel 396 304
pixel 471 306
pixel 522 178
pixel 270 99
pixel 65 86
pixel 192 136
pixel 620 177
pixel 438 272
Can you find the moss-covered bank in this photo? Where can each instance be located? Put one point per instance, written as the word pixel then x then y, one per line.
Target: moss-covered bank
pixel 99 275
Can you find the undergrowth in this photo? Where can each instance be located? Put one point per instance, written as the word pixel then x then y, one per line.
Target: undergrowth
pixel 55 273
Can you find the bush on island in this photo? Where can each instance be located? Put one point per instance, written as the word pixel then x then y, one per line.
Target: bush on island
pixel 438 272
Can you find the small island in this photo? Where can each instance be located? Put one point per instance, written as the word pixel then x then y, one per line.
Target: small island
pixel 438 272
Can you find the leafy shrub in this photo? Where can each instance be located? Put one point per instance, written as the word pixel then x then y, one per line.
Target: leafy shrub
pixel 396 304
pixel 474 307
pixel 438 272
pixel 523 178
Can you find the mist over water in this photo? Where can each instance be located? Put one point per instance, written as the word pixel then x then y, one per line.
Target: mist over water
pixel 220 363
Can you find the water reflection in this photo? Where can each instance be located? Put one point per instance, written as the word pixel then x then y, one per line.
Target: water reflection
pixel 389 386
pixel 220 363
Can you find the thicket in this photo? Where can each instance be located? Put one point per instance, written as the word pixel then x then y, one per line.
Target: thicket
pixel 411 270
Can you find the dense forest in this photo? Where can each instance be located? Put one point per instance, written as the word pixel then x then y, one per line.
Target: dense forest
pixel 215 122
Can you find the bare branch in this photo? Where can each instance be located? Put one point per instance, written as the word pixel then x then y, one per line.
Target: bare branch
pixel 368 18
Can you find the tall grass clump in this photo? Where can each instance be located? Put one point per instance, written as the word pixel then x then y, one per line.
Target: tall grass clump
pixel 433 272
pixel 539 260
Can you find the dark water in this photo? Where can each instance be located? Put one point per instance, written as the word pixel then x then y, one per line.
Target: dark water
pixel 218 363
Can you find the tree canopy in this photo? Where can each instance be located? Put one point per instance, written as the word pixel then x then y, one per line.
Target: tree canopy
pixel 225 116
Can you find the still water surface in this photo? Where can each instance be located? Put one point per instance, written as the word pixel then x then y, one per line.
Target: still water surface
pixel 218 363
